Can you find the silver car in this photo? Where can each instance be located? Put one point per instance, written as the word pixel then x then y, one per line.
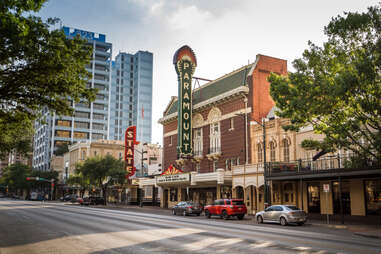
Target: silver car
pixel 282 214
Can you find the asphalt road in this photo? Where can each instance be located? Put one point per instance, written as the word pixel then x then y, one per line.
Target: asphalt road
pixel 30 227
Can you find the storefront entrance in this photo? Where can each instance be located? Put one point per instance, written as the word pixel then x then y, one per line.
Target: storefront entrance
pixel 313 192
pixel 345 197
pixel 373 196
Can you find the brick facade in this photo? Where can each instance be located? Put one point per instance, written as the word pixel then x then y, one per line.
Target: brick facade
pixel 232 140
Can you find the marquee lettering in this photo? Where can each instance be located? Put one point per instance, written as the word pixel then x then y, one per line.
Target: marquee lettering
pixel 186 105
pixel 129 143
pixel 185 64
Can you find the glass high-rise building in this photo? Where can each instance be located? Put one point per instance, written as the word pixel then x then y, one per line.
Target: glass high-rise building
pixel 131 95
pixel 90 121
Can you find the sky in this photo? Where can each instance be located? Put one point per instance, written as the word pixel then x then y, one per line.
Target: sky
pixel 224 34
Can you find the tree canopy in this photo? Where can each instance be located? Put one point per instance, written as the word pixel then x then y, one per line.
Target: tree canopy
pixel 14 176
pixel 336 87
pixel 102 171
pixel 39 69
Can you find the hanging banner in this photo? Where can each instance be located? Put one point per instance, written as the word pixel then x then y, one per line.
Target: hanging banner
pixel 185 64
pixel 129 144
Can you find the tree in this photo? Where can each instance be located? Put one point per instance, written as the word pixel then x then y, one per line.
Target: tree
pixel 39 69
pixel 81 181
pixel 336 88
pixel 14 176
pixel 62 149
pixel 103 171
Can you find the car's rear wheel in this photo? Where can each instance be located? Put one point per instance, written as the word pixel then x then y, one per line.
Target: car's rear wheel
pixel 259 219
pixel 300 223
pixel 207 214
pixel 240 217
pixel 283 221
pixel 225 215
pixel 173 212
pixel 198 214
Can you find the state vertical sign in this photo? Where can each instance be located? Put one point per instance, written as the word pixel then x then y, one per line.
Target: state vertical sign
pixel 185 64
pixel 129 146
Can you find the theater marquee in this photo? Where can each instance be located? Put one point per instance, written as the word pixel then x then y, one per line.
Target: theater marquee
pixel 185 64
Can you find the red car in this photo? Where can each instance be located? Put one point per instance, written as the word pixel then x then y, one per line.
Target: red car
pixel 226 208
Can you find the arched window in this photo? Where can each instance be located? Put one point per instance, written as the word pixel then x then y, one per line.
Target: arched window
pixel 286 150
pixel 197 142
pixel 272 151
pixel 215 137
pixel 259 153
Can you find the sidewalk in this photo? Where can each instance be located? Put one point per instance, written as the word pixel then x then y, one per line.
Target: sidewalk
pixel 369 226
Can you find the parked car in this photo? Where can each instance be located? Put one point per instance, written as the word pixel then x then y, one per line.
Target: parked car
pixel 92 200
pixel 226 208
pixel 283 214
pixel 186 208
pixel 69 197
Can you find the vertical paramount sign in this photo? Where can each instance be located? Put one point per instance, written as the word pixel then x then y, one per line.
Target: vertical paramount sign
pixel 185 63
pixel 129 143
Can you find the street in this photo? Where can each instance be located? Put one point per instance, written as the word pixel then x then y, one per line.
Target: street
pixel 34 227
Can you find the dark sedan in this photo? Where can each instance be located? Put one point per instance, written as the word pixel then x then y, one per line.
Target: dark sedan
pixel 186 208
pixel 92 200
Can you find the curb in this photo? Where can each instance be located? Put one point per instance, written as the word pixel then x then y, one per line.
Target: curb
pixel 368 235
pixel 330 226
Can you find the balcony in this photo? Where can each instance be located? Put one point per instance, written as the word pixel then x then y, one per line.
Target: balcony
pixel 197 156
pixel 247 169
pixel 214 153
pixel 333 166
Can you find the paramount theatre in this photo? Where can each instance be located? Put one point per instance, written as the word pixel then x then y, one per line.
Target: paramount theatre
pixel 206 133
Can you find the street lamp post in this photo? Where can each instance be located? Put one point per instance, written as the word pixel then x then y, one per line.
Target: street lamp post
pixel 142 169
pixel 265 189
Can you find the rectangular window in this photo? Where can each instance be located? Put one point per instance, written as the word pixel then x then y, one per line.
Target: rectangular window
pixel 64 123
pixel 98 126
pixel 81 135
pixel 82 105
pixel 100 97
pixel 215 165
pixel 99 106
pixel 82 125
pixel 82 114
pixel 99 87
pixel 170 140
pixel 63 134
pixel 97 136
pixel 231 123
pixel 99 116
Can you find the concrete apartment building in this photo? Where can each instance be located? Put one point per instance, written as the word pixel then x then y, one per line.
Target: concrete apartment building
pixel 124 98
pixel 90 122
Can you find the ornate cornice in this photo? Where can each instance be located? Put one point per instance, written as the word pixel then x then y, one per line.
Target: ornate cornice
pixel 210 102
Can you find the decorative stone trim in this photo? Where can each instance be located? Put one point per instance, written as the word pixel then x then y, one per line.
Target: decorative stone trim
pixel 198 107
pixel 223 117
pixel 214 156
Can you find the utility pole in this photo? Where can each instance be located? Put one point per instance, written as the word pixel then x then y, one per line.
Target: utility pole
pixel 265 189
